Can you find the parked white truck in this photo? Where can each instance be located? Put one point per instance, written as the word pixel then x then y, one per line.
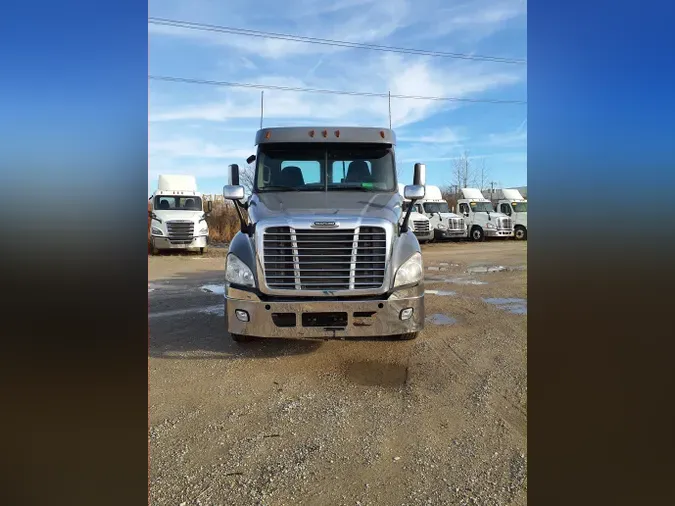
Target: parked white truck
pixel 510 202
pixel 323 253
pixel 178 217
pixel 444 223
pixel 481 219
pixel 419 223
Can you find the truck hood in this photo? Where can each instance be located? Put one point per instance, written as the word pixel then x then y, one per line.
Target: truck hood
pixel 385 206
pixel 446 216
pixel 165 215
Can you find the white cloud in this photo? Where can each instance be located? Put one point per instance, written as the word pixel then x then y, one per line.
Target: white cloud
pixel 442 135
pixel 403 75
pixel 201 129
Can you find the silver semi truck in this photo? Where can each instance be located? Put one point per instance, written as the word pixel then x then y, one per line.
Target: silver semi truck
pixel 324 252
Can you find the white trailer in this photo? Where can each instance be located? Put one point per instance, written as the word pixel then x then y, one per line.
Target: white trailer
pixel 178 217
pixel 444 223
pixel 510 202
pixel 419 223
pixel 481 219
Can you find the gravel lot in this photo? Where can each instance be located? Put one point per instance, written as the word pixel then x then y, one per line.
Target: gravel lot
pixel 438 420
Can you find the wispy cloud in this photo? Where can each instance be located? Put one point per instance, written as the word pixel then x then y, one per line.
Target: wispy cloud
pixel 200 129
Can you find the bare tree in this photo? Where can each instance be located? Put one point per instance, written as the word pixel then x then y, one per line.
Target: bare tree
pixel 246 178
pixel 462 171
pixel 482 176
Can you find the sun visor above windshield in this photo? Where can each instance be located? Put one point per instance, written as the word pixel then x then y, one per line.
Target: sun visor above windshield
pixel 366 135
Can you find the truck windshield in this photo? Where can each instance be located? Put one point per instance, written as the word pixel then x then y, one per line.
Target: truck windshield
pixel 519 207
pixel 482 207
pixel 436 207
pixel 327 166
pixel 178 203
pixel 417 208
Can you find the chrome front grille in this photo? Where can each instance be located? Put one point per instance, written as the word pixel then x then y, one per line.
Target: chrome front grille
pixel 505 224
pixel 456 224
pixel 180 231
pixel 421 227
pixel 340 259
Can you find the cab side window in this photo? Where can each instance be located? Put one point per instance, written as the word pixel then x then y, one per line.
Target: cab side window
pixel 506 209
pixel 464 208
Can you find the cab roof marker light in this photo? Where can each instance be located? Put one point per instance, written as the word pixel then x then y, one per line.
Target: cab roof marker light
pixel 268 134
pixel 311 133
pixel 337 133
pixel 325 133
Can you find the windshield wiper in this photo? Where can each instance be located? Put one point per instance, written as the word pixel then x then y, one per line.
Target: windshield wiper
pixel 352 188
pixel 279 188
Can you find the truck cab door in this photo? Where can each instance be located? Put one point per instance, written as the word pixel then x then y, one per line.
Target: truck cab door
pixel 466 213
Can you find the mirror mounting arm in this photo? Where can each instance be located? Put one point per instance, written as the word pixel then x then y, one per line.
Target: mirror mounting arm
pixel 242 222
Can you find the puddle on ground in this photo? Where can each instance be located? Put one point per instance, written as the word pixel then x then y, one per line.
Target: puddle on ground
pixel 457 281
pixel 515 306
pixel 373 373
pixel 480 269
pixel 216 310
pixel 217 289
pixel 440 292
pixel 441 319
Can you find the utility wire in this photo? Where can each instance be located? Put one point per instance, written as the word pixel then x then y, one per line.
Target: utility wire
pixel 334 92
pixel 328 42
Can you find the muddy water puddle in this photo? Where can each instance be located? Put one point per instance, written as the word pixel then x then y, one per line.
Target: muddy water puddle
pixel 442 293
pixel 440 319
pixel 457 281
pixel 512 305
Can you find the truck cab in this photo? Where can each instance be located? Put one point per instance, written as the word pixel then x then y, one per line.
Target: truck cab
pixel 510 202
pixel 178 220
pixel 481 219
pixel 444 223
pixel 419 223
pixel 324 252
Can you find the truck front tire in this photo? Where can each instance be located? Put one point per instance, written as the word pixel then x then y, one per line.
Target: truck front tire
pixel 477 234
pixel 408 337
pixel 238 338
pixel 520 233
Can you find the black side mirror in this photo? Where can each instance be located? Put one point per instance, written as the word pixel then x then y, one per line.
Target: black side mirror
pixel 209 206
pixel 250 159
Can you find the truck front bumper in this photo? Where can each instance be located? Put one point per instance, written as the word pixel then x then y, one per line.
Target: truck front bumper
pixel 161 242
pixel 451 234
pixel 323 319
pixel 498 233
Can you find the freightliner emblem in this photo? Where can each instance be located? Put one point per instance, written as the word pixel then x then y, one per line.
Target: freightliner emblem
pixel 325 224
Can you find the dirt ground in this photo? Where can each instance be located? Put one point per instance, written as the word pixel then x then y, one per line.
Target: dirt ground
pixel 438 420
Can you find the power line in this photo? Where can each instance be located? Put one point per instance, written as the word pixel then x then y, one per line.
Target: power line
pixel 328 42
pixel 334 92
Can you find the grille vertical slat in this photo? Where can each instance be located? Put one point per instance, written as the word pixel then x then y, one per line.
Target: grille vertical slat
pixel 180 232
pixel 341 259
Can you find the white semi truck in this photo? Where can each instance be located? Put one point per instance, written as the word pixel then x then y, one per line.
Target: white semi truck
pixel 178 217
pixel 444 223
pixel 510 202
pixel 481 219
pixel 420 224
pixel 323 253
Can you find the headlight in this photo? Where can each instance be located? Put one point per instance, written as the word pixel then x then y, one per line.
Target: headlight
pixel 204 231
pixel 490 225
pixel 238 272
pixel 156 231
pixel 441 226
pixel 410 272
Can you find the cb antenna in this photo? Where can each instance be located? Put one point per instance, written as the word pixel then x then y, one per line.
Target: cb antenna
pixel 389 109
pixel 262 106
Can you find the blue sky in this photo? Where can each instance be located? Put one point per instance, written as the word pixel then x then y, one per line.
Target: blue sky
pixel 201 129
